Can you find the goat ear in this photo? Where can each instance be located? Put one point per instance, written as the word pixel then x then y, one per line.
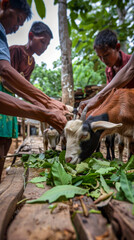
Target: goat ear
pixel 104 125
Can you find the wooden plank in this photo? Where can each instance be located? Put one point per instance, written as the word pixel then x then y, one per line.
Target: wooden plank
pixel 36 222
pixel 94 226
pixel 119 213
pixel 10 195
pixel 7 181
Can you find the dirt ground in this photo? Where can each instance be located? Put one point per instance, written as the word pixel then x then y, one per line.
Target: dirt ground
pixel 16 144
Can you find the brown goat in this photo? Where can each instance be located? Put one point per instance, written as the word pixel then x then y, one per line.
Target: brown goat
pixel 114 115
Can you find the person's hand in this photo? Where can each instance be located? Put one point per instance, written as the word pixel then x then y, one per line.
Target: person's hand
pixel 57 118
pixel 68 115
pixel 62 107
pixel 82 105
pixel 57 105
pixel 88 105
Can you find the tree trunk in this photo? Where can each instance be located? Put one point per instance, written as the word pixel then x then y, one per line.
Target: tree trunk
pixel 65 44
pixel 122 15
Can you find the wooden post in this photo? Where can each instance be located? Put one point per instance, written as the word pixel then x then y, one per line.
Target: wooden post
pixel 23 128
pixel 28 129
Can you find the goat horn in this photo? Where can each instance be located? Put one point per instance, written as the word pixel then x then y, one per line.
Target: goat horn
pixel 75 111
pixel 83 115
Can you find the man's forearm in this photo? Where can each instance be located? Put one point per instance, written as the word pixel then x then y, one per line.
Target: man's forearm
pixel 16 107
pixel 26 90
pixel 21 86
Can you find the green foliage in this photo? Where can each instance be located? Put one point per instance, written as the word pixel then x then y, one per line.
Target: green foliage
pixel 95 16
pixel 130 164
pixel 60 177
pixel 29 2
pixel 82 167
pixel 48 81
pixel 40 160
pixel 38 179
pixel 97 164
pixel 87 72
pixel 86 19
pixel 40 7
pixel 57 192
pixel 95 194
pixel 84 73
pixel 86 175
pixel 104 184
pixel 40 185
pixel 126 187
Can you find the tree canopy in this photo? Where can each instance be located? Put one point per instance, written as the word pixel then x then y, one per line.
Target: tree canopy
pixel 48 81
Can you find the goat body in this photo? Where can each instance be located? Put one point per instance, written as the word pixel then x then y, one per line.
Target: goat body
pixel 114 115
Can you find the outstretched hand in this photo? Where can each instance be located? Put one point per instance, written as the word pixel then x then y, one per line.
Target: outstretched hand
pixel 88 105
pixel 58 118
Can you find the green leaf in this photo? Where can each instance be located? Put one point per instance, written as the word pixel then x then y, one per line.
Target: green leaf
pixel 120 196
pixel 116 163
pixel 24 157
pixel 70 170
pixel 115 177
pixel 118 185
pixel 62 157
pixel 97 164
pixel 78 183
pixel 52 207
pixel 130 164
pixel 126 187
pixel 29 2
pixel 55 193
pixel 60 177
pixel 38 179
pixel 90 178
pixel 94 211
pixel 95 194
pixel 32 158
pixel 104 184
pixel 41 156
pixel 40 7
pixel 106 170
pixel 39 185
pixel 74 25
pixel 97 155
pixel 82 167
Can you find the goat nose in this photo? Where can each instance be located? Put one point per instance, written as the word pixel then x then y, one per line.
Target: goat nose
pixel 53 148
pixel 68 159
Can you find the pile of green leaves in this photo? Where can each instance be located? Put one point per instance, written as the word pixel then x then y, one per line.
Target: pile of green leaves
pixel 90 177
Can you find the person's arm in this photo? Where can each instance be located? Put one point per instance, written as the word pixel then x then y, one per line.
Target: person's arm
pixel 121 79
pixel 16 107
pixel 26 90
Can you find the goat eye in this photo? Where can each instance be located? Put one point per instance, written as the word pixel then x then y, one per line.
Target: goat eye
pixel 84 136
